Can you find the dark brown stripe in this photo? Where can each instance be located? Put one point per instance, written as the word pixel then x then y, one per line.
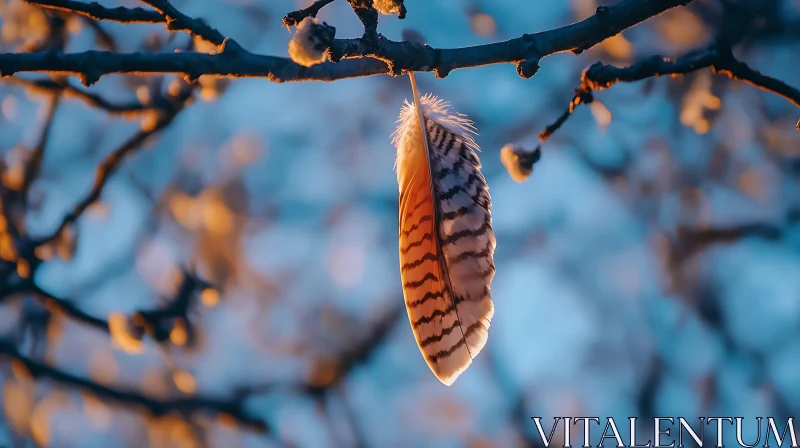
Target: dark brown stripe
pixel 404 250
pixel 478 195
pixel 427 257
pixel 480 298
pixel 450 194
pixel 454 169
pixel 424 219
pixel 482 199
pixel 428 296
pixel 450 144
pixel 438 337
pixel 417 283
pixel 486 202
pixel 416 207
pixel 487 225
pixel 470 155
pixel 449 216
pixel 446 353
pixel 436 313
pixel 471 329
pixel 436 135
pixel 429 124
pixel 471 254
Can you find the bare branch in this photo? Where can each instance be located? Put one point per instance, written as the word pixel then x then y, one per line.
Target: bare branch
pixel 726 64
pixel 127 109
pixel 105 40
pixel 57 305
pixel 164 13
pixel 35 163
pixel 361 350
pixel 112 163
pixel 156 322
pixel 691 241
pixel 368 16
pixel 184 405
pixel 91 65
pixel 721 60
pixel 177 21
pixel 98 12
pixel 397 57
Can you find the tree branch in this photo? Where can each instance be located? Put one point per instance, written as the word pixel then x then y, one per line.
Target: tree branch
pixel 691 241
pixel 34 165
pixel 55 304
pixel 112 163
pixel 18 283
pixel 183 405
pixel 96 11
pixel 358 353
pixel 164 13
pixel 128 109
pixel 295 17
pixel 159 323
pixel 156 322
pixel 396 57
pixel 177 21
pixel 104 38
pixel 368 16
pixel 721 60
pixel 727 64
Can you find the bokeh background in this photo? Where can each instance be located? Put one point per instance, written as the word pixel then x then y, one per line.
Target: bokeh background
pixel 650 266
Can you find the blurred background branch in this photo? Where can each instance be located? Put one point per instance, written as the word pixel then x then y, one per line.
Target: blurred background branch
pixel 183 406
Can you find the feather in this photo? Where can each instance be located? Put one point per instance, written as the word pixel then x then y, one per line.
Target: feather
pixel 446 239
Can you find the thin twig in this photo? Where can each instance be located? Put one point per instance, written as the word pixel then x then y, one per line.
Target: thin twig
pixel 61 306
pixel 600 77
pixel 295 17
pixel 131 108
pixel 727 64
pixel 691 241
pixel 98 12
pixel 112 163
pixel 368 16
pixel 177 21
pixel 34 165
pixel 362 350
pixel 107 41
pixel 158 323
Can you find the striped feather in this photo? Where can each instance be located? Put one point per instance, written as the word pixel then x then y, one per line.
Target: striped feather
pixel 446 240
